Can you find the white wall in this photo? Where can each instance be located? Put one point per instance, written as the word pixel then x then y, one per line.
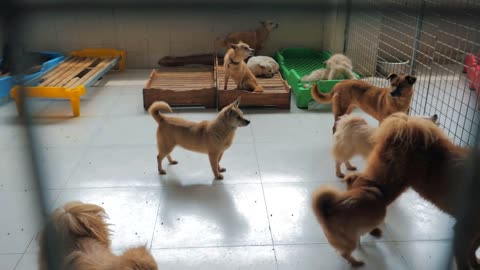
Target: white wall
pixel 149 35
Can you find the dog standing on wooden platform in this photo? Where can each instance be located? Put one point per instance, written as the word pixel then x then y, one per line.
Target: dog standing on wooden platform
pixel 209 137
pixel 235 67
pixel 376 101
pixel 83 239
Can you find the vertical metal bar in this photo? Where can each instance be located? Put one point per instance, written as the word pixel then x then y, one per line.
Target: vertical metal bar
pixel 348 10
pixel 51 244
pixel 418 33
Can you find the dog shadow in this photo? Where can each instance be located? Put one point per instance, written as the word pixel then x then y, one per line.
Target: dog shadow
pixel 211 206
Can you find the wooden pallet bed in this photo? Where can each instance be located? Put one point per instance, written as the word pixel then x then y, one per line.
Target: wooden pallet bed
pixel 181 86
pixel 71 77
pixel 276 92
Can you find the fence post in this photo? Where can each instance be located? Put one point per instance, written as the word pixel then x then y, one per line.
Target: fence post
pixel 418 33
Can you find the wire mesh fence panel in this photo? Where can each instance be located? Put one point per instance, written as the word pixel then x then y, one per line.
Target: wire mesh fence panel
pixel 424 39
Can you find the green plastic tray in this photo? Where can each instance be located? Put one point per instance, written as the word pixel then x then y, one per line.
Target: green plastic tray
pixel 298 62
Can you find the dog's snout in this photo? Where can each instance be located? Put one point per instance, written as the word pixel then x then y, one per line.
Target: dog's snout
pixel 246 122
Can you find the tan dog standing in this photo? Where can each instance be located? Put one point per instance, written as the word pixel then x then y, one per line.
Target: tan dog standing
pixel 376 101
pixel 84 240
pixel 235 67
pixel 255 39
pixel 209 137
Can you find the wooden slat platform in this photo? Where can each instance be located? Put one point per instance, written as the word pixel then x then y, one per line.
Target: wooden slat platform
pixel 181 86
pixel 276 92
pixel 76 71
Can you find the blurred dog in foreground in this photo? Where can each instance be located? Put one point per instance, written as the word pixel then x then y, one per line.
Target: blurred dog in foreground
pixel 85 241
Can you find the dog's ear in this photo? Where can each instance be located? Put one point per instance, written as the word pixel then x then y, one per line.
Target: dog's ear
pixel 236 103
pixel 392 76
pixel 434 118
pixel 233 46
pixel 411 79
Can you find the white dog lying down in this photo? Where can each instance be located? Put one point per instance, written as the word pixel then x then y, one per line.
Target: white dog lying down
pixel 338 67
pixel 263 66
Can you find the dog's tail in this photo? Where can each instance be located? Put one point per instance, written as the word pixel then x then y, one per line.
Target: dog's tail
pixel 76 219
pixel 401 131
pixel 320 97
pixel 155 109
pixel 323 202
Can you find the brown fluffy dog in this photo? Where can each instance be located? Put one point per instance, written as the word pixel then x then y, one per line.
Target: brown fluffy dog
pixel 85 241
pixel 235 67
pixel 255 39
pixel 413 152
pixel 354 136
pixel 209 137
pixel 376 101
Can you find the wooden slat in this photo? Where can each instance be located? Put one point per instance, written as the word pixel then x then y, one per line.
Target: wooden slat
pixel 61 70
pixel 68 73
pixel 94 71
pixel 67 62
pixel 63 80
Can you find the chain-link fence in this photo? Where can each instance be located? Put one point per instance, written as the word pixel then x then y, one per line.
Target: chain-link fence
pixel 425 39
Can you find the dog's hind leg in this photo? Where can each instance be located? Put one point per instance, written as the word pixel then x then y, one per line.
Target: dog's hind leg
pixel 354 262
pixel 350 167
pixel 338 169
pixel 220 169
pixel 164 151
pixel 171 160
pixel 226 81
pixel 214 158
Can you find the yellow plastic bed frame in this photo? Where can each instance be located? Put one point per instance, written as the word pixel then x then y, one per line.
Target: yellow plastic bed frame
pixel 76 88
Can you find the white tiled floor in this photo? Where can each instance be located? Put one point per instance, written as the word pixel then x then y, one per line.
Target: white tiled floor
pixel 259 217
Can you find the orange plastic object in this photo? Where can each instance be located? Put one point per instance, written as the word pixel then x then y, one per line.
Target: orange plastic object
pixel 73 94
pixel 103 53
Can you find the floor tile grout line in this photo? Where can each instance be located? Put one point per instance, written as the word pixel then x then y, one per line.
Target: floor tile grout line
pixel 264 199
pixel 155 224
pixel 216 246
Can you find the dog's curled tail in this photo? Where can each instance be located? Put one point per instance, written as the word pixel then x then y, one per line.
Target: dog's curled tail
pixel 323 201
pixel 155 109
pixel 320 97
pixel 400 130
pixel 76 219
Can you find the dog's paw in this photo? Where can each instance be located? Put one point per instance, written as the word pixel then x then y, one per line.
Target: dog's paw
pixel 222 169
pixel 352 168
pixel 219 177
pixel 357 263
pixel 340 175
pixel 162 172
pixel 173 162
pixel 377 233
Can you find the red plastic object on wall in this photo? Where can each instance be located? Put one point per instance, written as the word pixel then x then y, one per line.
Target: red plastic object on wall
pixel 472 67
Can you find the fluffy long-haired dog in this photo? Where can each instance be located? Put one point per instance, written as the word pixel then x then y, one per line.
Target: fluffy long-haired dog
pixel 354 136
pixel 85 239
pixel 235 67
pixel 414 151
pixel 255 38
pixel 337 67
pixel 209 137
pixel 345 216
pixel 376 101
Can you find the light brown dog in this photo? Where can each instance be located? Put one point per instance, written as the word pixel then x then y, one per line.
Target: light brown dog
pixel 235 67
pixel 376 101
pixel 255 39
pixel 354 136
pixel 413 152
pixel 417 152
pixel 209 137
pixel 84 238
